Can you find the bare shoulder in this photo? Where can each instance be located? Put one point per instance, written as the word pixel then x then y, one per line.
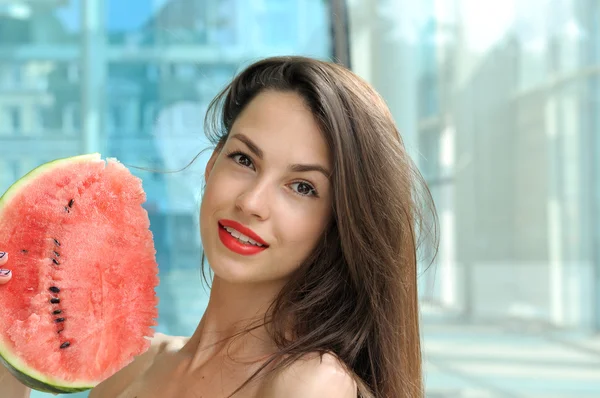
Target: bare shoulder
pixel 118 382
pixel 313 375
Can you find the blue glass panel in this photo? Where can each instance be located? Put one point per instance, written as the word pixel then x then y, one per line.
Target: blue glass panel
pixel 132 80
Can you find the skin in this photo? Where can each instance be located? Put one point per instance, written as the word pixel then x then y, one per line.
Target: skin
pixel 288 208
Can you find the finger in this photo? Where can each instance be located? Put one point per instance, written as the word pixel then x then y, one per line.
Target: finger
pixel 3 258
pixel 5 276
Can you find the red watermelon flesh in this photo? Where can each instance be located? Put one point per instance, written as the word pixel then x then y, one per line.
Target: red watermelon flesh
pixel 81 302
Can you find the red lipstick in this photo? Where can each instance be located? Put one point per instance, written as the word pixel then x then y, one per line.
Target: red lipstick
pixel 236 245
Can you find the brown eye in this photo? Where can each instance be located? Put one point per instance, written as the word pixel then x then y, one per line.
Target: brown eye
pixel 242 160
pixel 304 189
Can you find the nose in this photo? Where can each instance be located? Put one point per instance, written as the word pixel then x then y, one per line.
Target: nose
pixel 255 201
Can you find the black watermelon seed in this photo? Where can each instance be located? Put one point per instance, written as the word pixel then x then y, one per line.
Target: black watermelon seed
pixel 57 254
pixel 54 289
pixel 71 202
pixel 65 344
pixel 59 320
pixel 55 300
pixel 24 251
pixel 67 209
pixel 57 243
pixel 56 312
pixel 55 261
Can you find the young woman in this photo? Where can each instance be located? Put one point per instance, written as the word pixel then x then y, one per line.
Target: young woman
pixel 309 223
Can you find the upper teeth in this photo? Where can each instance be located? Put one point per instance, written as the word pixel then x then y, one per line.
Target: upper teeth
pixel 241 236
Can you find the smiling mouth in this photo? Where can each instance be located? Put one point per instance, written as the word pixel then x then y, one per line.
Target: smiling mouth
pixel 239 243
pixel 240 237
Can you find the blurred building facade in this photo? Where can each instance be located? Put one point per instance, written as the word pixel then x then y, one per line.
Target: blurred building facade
pixel 503 103
pixel 78 76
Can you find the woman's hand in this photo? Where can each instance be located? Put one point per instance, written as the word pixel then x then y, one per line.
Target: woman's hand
pixel 9 386
pixel 5 274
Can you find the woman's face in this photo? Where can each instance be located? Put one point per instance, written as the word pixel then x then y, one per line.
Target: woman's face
pixel 269 183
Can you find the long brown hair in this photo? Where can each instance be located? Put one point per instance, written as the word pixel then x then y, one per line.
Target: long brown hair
pixel 356 295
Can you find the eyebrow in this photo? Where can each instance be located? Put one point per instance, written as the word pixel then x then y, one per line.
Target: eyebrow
pixel 250 144
pixel 298 168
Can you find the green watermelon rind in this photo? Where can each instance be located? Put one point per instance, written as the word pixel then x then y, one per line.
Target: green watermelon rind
pixel 29 377
pixel 33 174
pixel 39 385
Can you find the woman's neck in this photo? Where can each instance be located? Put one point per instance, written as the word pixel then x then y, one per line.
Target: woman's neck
pixel 233 323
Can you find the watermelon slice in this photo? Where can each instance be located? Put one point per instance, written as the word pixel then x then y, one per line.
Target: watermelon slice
pixel 81 303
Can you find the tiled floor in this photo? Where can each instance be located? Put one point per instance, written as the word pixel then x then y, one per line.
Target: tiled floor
pixel 490 361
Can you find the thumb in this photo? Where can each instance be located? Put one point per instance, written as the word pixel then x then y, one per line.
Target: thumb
pixel 5 274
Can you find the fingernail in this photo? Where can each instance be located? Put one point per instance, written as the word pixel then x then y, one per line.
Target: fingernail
pixel 4 273
pixel 2 254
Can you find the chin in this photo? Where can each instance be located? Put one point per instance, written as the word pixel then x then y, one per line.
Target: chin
pixel 231 270
pixel 243 273
pixel 232 273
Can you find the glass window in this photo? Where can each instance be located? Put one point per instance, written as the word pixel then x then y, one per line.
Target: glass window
pixel 13 114
pixel 498 102
pixel 137 90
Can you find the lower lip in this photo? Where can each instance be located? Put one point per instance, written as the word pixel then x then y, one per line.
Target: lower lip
pixel 236 246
